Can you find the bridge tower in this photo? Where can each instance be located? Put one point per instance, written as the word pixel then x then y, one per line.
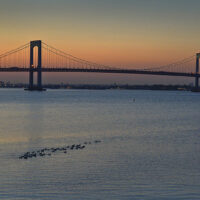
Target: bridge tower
pixel 197 72
pixel 38 69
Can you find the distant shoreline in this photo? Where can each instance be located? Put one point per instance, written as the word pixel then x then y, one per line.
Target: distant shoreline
pixel 105 87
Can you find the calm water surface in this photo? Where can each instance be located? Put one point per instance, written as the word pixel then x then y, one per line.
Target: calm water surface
pixel 150 148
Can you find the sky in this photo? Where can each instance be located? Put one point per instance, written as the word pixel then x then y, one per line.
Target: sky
pixel 122 33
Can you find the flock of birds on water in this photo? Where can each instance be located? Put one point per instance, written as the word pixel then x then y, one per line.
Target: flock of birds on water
pixel 49 151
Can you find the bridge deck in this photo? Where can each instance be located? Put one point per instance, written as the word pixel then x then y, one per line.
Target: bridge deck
pixel 118 71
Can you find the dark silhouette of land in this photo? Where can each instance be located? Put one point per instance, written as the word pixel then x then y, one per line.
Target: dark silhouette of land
pixel 102 87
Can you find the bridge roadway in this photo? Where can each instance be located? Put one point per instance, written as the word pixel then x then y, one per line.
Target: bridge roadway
pixel 114 71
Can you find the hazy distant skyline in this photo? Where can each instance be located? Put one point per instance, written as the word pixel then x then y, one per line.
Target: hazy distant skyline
pixel 126 33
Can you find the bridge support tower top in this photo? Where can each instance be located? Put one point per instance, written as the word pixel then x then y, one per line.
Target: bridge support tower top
pixel 33 44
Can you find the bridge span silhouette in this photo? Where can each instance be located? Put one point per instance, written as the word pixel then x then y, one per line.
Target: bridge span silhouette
pixel 38 57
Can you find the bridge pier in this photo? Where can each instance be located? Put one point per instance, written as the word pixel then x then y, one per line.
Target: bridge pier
pixel 31 78
pixel 197 71
pixel 197 88
pixel 38 87
pixel 39 68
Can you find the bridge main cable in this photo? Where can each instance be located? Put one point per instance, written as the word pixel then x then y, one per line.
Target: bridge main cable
pixel 76 59
pixel 15 50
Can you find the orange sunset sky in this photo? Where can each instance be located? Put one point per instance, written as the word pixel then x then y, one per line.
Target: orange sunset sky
pixel 121 33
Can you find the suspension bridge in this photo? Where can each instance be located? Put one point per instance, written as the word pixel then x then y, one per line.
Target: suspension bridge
pixel 38 57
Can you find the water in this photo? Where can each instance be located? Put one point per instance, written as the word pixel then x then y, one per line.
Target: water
pixel 149 150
